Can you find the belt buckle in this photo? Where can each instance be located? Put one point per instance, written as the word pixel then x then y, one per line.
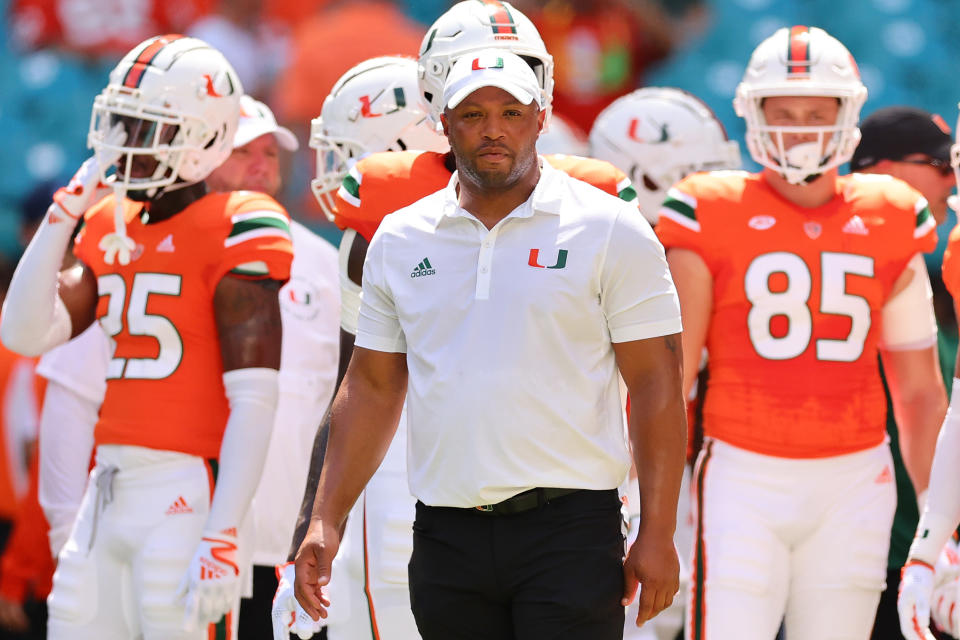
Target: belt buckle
pixel 486 508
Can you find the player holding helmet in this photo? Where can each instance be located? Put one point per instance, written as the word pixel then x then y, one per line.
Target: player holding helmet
pixel 795 279
pixel 380 184
pixel 187 285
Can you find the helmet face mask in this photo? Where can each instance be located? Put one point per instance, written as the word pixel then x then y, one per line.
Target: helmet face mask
pixel 658 136
pixel 474 25
pixel 374 106
pixel 179 111
pixel 801 62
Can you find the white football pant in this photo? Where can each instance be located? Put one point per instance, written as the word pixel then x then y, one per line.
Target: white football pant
pixel 139 525
pixel 799 540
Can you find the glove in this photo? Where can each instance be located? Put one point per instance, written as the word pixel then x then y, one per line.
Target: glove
pixel 288 616
pixel 87 187
pixel 913 600
pixel 946 589
pixel 212 584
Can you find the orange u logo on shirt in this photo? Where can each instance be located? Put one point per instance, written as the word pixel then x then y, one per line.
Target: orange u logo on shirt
pixel 534 260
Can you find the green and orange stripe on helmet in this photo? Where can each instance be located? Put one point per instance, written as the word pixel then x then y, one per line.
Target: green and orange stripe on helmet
pixel 798 52
pixel 501 20
pixel 146 56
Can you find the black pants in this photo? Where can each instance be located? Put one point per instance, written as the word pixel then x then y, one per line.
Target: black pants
pixel 552 572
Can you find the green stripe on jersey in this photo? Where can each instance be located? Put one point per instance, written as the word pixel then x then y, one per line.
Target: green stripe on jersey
pixel 680 207
pixel 352 186
pixel 923 216
pixel 257 223
pixel 628 193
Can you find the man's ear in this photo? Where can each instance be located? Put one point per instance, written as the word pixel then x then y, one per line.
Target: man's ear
pixel 443 123
pixel 541 119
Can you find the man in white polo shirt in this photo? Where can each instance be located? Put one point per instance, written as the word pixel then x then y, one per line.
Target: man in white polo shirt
pixel 502 307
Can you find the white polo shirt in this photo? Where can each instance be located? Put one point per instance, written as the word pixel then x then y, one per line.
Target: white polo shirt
pixel 508 331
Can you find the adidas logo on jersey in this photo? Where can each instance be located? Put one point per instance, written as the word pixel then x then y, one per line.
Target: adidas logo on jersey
pixel 166 245
pixel 884 476
pixel 179 506
pixel 855 225
pixel 423 269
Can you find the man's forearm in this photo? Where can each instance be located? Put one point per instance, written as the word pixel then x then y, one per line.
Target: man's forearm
pixel 921 420
pixel 310 490
pixel 658 433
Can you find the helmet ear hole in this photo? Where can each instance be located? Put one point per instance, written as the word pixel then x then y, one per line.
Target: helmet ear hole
pixel 649 184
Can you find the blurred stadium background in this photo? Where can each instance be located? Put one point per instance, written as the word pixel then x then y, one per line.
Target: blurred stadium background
pixel 908 52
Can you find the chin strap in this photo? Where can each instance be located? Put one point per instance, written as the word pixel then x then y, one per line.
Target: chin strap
pixel 118 245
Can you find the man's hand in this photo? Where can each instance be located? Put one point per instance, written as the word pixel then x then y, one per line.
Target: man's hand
pixel 86 187
pixel 653 566
pixel 946 589
pixel 314 561
pixel 288 616
pixel 12 616
pixel 212 582
pixel 913 600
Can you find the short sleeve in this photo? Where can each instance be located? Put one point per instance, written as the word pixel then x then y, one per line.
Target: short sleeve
pixel 351 210
pixel 925 227
pixel 259 243
pixel 378 327
pixel 677 225
pixel 637 294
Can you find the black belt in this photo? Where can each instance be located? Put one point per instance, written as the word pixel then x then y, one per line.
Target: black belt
pixel 525 501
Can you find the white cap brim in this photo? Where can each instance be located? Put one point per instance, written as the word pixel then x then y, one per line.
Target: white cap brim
pixel 249 131
pixel 522 95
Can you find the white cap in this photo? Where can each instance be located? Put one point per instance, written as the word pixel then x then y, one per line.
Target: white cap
pixel 491 68
pixel 256 120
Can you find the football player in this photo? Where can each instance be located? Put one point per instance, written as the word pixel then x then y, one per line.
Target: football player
pixel 796 279
pixel 926 586
pixel 377 185
pixel 659 135
pixel 184 282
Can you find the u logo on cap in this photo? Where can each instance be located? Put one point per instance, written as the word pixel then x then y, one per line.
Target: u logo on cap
pixel 478 64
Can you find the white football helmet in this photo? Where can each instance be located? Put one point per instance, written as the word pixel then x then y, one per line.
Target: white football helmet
pixel 178 100
pixel 657 136
pixel 801 61
pixel 562 138
pixel 473 25
pixel 375 106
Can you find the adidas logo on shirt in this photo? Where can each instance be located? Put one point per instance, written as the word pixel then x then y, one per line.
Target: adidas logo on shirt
pixel 166 245
pixel 179 506
pixel 423 269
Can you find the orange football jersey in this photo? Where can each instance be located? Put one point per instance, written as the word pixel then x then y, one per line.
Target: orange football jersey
pixel 797 300
pixel 384 182
pixel 164 381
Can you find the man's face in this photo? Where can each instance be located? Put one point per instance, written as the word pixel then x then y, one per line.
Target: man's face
pixel 493 137
pixel 934 179
pixel 801 111
pixel 253 167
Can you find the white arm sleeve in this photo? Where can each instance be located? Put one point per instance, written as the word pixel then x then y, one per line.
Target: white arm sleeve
pixel 942 512
pixel 34 318
pixel 252 394
pixel 908 321
pixel 66 445
pixel 349 290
